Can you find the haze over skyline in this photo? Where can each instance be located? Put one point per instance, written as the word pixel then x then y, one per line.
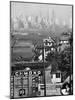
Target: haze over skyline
pixel 62 12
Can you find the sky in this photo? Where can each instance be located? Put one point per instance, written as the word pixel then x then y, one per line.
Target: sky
pixel 61 12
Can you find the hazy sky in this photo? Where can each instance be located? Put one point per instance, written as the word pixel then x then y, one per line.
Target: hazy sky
pixel 61 12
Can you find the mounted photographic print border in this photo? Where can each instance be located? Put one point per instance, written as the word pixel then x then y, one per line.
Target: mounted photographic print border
pixel 41 46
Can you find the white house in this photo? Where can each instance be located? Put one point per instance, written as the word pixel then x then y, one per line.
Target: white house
pixel 56 77
pixel 48 41
pixel 63 42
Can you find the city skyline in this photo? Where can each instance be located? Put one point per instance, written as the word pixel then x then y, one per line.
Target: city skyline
pixel 61 12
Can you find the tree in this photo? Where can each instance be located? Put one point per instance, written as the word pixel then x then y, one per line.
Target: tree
pixel 67 57
pixel 53 57
pixel 66 60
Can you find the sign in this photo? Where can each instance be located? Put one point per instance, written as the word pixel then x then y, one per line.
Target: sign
pixel 21 73
pixel 26 73
pixel 21 92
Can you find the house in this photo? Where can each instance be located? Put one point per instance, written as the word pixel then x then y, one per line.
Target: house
pixel 63 42
pixel 48 47
pixel 56 77
pixel 48 42
pixel 52 77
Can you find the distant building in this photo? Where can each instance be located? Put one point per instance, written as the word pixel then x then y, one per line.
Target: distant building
pixel 15 24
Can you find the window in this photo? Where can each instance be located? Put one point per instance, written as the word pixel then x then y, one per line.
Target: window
pixel 57 75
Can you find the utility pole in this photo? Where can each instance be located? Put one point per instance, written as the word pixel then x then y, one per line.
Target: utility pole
pixel 43 48
pixel 44 70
